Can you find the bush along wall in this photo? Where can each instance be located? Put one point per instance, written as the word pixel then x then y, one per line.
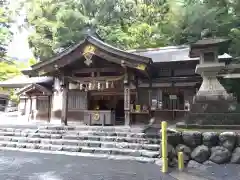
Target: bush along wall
pixel 204 148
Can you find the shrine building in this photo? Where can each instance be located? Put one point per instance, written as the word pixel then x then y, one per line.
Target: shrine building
pixel 95 83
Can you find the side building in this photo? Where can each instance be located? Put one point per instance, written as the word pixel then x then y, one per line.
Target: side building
pixel 96 83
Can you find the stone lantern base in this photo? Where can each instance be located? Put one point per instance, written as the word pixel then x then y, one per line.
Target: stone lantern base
pixel 214 110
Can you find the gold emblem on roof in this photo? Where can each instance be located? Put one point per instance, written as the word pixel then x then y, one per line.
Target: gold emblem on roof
pixel 88 53
pixel 141 67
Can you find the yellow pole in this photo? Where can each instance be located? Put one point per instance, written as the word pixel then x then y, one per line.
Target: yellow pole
pixel 164 147
pixel 180 161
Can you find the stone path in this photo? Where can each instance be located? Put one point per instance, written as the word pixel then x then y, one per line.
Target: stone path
pixel 36 166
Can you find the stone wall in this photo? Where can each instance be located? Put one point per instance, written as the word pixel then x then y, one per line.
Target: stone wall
pixel 204 148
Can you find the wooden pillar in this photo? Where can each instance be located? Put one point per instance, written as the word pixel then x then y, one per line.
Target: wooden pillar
pixel 49 109
pixel 150 98
pixel 65 86
pixel 127 99
pixel 137 90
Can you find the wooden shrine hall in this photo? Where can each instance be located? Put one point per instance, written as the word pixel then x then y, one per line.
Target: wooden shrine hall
pixel 97 84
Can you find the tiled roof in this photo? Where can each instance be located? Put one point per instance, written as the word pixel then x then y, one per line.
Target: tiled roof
pixel 20 81
pixel 169 54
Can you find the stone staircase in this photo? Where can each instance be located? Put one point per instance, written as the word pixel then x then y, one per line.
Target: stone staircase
pixel 106 142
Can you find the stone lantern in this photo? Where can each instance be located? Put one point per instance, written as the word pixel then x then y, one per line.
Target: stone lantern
pixel 212 105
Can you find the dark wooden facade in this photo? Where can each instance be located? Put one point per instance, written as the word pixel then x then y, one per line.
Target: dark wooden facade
pixel 129 88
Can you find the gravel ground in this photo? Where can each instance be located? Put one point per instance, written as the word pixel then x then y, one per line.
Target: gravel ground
pixel 16 165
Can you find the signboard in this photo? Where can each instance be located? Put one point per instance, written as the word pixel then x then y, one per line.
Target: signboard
pixel 172 97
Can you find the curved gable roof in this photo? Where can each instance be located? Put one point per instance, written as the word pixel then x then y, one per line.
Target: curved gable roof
pixel 100 45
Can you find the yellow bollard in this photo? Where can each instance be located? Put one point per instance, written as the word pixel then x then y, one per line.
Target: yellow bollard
pixel 164 147
pixel 180 161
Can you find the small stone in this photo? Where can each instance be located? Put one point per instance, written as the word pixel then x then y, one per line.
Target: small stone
pixel 210 139
pixel 236 156
pixel 220 155
pixel 192 138
pixel 200 154
pixel 228 140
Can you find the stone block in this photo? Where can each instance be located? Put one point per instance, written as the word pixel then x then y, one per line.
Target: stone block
pixel 122 145
pixel 120 152
pixel 83 143
pixel 135 146
pixel 56 148
pixel 5 138
pixel 71 148
pixel 70 143
pixel 46 141
pixel 236 156
pixel 71 137
pixel 210 139
pixel 94 144
pixel 8 134
pixel 102 151
pixel 120 139
pixel 150 154
pixel 11 145
pixel 33 140
pixel 93 138
pixel 45 136
pixel 220 155
pixel 44 147
pixel 56 142
pixel 56 136
pixel 192 138
pixel 108 145
pixel 121 134
pixel 87 150
pixel 19 145
pixel 228 140
pixel 152 147
pixel 35 136
pixel 23 140
pixel 200 154
pixel 112 134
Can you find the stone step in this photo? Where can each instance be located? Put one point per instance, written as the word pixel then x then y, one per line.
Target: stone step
pixel 113 157
pixel 94 128
pixel 88 143
pixel 82 136
pixel 83 149
pixel 102 133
